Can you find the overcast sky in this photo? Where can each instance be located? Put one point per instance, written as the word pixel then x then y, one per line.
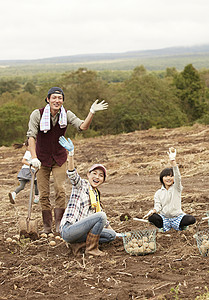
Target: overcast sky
pixel 33 29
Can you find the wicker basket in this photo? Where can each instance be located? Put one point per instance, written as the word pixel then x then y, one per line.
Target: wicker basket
pixel 140 242
pixel 202 238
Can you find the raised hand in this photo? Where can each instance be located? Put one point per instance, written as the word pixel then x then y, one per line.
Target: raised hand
pixel 98 106
pixel 172 153
pixel 67 144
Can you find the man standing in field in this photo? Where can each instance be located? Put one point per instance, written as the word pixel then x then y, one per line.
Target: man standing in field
pixel 46 125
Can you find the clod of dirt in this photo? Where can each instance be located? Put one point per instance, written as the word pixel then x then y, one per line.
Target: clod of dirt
pixel 123 295
pixel 125 217
pixel 148 294
pixel 31 235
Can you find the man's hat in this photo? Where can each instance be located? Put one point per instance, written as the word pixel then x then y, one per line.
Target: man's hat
pixel 99 166
pixel 54 90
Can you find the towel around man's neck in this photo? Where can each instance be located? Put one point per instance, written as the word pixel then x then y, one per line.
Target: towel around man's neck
pixel 45 119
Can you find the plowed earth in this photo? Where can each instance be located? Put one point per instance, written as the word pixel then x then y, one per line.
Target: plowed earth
pixel 177 270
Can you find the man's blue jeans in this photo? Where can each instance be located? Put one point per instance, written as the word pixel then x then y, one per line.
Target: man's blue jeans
pixel 77 232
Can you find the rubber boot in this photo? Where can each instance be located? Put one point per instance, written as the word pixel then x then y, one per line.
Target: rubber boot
pixel 92 245
pixel 47 220
pixel 58 213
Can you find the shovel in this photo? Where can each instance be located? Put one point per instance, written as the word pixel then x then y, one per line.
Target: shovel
pixel 28 227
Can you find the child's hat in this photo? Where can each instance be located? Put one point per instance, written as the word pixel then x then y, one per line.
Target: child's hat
pixel 99 166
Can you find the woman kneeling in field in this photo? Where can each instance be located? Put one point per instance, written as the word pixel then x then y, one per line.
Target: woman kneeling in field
pixel 84 223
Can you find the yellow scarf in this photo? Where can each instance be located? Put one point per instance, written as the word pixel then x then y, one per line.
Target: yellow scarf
pixel 94 199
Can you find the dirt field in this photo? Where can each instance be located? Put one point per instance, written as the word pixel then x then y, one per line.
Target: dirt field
pixel 36 270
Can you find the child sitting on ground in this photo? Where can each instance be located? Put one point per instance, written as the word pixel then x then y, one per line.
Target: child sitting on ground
pixel 25 176
pixel 167 212
pixel 84 223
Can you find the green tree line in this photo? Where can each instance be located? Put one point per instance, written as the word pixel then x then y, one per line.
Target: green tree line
pixel 137 100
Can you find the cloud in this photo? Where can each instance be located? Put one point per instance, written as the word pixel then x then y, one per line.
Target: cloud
pixel 45 28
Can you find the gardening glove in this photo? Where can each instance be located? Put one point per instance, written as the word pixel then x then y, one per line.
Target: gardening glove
pixel 36 163
pixel 149 214
pixel 67 144
pixel 98 106
pixel 172 153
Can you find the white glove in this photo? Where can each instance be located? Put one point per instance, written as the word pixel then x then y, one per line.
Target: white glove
pixel 98 106
pixel 36 163
pixel 151 212
pixel 172 153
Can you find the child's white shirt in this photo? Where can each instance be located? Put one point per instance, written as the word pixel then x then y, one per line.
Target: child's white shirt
pixel 168 202
pixel 28 157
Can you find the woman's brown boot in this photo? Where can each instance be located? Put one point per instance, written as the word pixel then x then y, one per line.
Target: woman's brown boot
pixel 92 244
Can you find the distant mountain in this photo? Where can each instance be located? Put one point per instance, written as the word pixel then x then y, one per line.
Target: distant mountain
pixel 102 57
pixel 152 60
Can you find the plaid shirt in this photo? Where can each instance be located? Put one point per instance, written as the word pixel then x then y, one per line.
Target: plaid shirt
pixel 79 205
